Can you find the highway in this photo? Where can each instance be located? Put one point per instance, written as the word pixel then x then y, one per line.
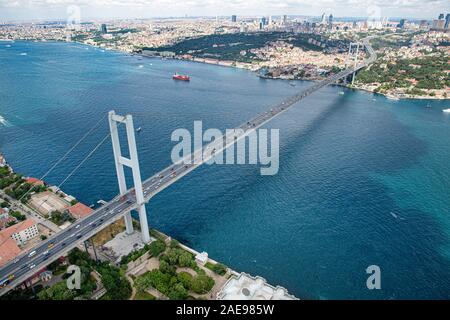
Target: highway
pixel 29 263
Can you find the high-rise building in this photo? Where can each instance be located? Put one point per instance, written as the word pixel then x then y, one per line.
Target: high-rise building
pixel 447 21
pixel 263 21
pixel 233 18
pixel 323 20
pixel 438 24
pixel 103 29
pixel 284 21
pixel 330 20
pixel 402 23
pixel 441 16
pixel 423 24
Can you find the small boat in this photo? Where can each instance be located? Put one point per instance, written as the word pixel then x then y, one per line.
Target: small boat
pixel 341 93
pixel 292 84
pixel 181 77
pixel 446 110
pixel 393 98
pixel 139 129
pixel 428 106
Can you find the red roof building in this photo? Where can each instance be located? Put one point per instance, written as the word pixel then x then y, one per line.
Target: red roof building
pixel 34 181
pixel 79 210
pixel 11 237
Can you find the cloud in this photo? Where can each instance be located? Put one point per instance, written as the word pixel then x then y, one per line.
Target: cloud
pixel 414 8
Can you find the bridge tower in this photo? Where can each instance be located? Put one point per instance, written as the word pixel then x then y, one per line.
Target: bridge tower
pixel 133 163
pixel 353 52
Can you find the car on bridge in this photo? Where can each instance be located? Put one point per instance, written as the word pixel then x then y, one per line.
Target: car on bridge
pixel 6 281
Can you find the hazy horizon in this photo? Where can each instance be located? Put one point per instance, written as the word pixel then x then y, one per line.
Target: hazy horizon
pixel 27 10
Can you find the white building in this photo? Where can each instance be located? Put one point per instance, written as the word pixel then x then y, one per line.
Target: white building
pixel 246 287
pixel 202 258
pixel 2 161
pixel 23 231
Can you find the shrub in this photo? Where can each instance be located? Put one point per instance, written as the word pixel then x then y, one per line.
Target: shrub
pixel 174 243
pixel 219 268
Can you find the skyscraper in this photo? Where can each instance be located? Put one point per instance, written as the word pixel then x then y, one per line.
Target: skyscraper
pixel 447 21
pixel 284 19
pixel 401 25
pixel 263 21
pixel 441 16
pixel 330 20
pixel 233 18
pixel 103 29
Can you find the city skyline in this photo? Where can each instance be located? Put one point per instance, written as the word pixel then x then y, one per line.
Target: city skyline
pixel 112 9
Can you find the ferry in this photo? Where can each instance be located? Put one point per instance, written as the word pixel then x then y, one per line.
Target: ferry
pixel 180 77
pixel 446 110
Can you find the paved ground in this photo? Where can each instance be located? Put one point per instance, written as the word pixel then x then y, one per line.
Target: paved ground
pixel 123 244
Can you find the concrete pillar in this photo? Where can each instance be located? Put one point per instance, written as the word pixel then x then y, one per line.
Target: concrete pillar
pixel 119 166
pixel 132 163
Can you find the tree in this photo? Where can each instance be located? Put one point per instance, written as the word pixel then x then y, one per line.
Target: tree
pixel 177 292
pixel 156 248
pixel 142 283
pixel 165 267
pixel 172 256
pixel 185 278
pixel 185 259
pixel 58 292
pixel 116 285
pixel 202 284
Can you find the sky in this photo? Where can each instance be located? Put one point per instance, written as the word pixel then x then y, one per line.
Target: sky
pixel 105 9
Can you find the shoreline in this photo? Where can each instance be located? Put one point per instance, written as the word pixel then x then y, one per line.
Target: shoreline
pixel 232 64
pixel 242 66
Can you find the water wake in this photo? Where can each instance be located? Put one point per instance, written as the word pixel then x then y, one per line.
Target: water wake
pixel 4 122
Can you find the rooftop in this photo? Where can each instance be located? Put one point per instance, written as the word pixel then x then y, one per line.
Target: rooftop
pixel 79 210
pixel 34 181
pixel 8 250
pixel 246 287
pixel 8 232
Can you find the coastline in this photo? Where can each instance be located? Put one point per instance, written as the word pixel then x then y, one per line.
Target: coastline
pixel 248 66
pixel 244 66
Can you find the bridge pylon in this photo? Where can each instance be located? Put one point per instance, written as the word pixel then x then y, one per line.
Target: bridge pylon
pixel 353 52
pixel 133 163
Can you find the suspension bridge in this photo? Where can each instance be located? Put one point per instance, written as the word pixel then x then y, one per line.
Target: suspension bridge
pixel 27 264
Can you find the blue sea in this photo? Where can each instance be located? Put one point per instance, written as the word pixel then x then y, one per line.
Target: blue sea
pixel 363 180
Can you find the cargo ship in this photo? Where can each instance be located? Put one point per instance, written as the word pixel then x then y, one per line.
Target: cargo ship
pixel 177 76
